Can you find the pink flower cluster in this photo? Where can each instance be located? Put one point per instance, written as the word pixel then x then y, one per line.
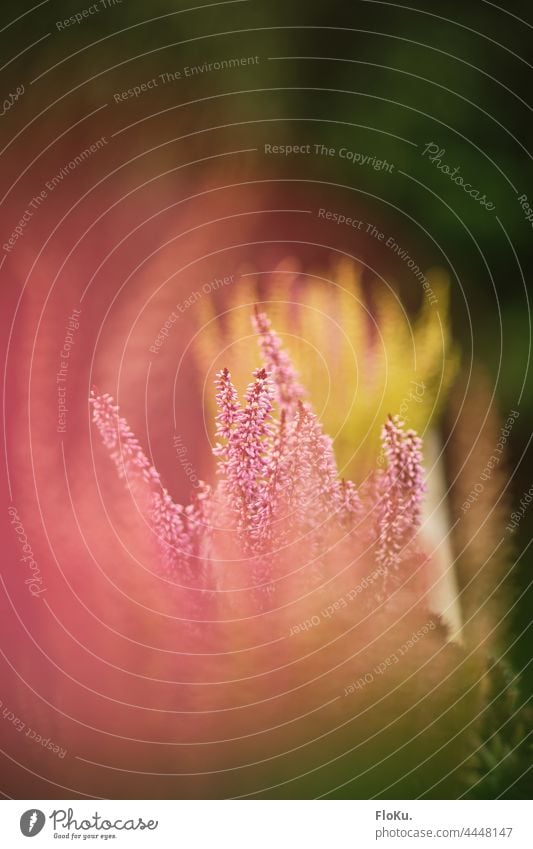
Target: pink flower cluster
pixel 278 480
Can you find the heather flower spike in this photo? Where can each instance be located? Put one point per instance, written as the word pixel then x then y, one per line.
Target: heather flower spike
pixel 171 523
pixel 351 505
pixel 278 481
pixel 315 488
pixel 247 468
pixel 288 389
pixel 123 446
pixel 400 492
pixel 228 414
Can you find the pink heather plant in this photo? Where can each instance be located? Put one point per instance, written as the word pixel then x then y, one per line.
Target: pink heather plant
pixel 279 484
pixel 301 629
